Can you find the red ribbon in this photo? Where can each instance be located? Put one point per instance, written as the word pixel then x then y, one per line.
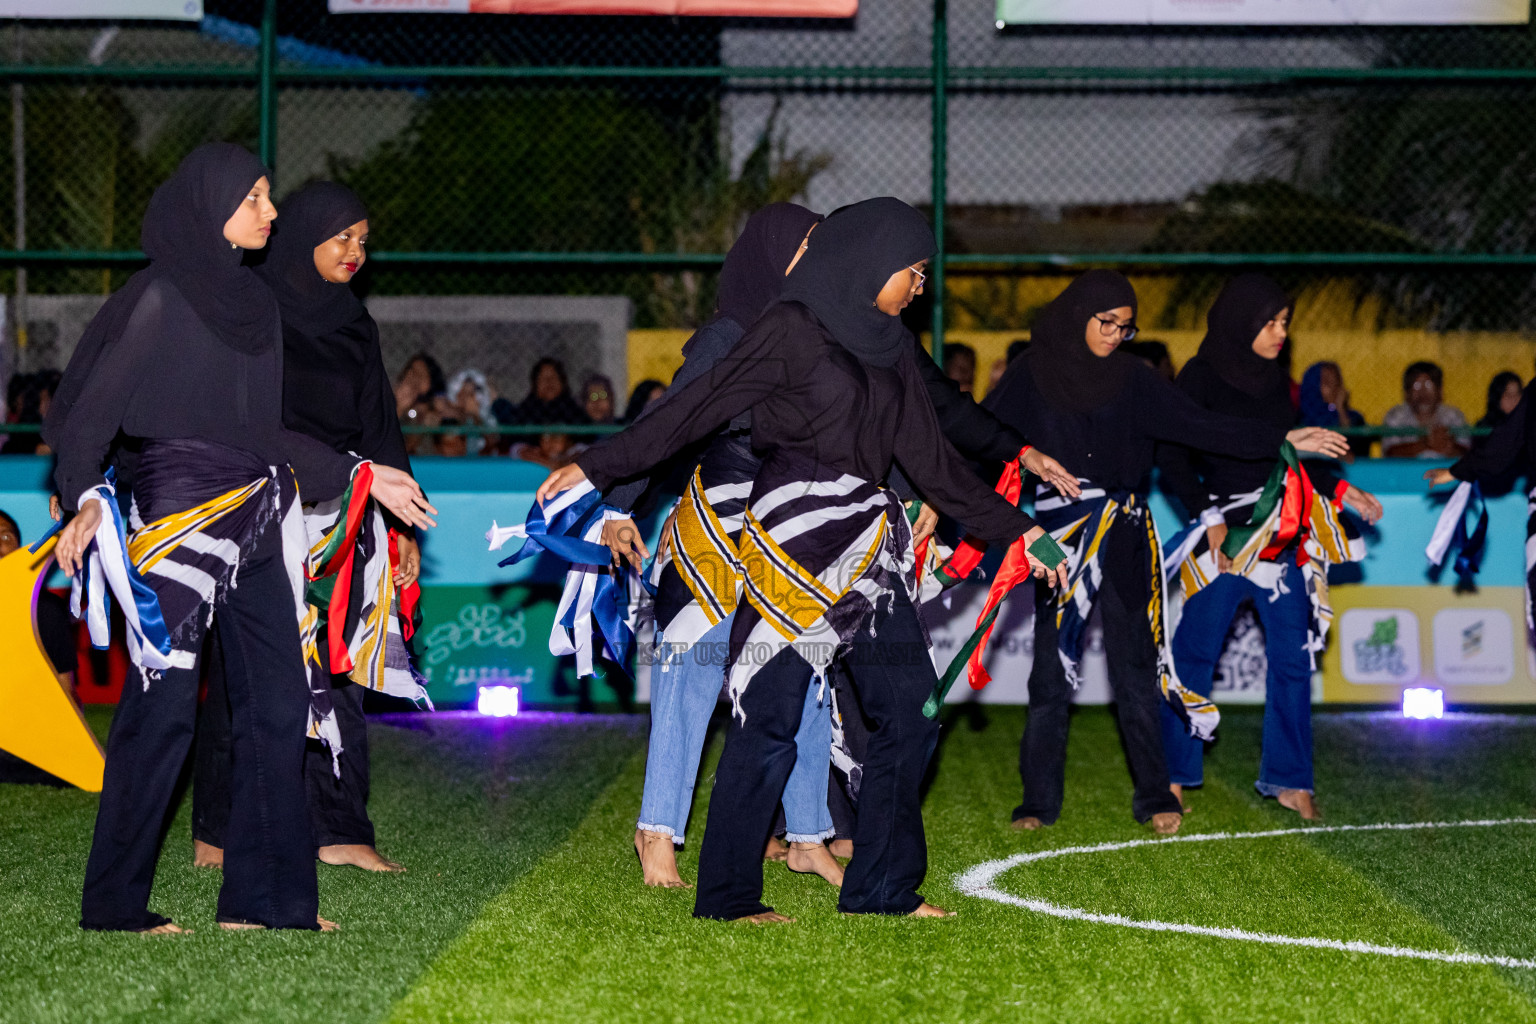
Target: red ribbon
pixel 341 564
pixel 1014 570
pixel 410 597
pixel 969 554
pixel 1295 517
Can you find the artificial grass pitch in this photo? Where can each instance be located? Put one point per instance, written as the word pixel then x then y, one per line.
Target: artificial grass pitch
pixel 523 901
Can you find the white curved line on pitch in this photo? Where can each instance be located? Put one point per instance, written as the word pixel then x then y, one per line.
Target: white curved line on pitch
pixel 978 881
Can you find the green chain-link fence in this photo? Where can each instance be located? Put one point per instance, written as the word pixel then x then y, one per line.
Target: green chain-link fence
pixel 1386 174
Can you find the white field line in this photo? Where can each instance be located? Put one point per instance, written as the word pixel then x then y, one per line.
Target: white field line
pixel 978 881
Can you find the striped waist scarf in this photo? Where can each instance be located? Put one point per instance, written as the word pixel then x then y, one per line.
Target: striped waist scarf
pixel 171 575
pixel 700 579
pixel 820 561
pixel 1288 519
pixel 1080 525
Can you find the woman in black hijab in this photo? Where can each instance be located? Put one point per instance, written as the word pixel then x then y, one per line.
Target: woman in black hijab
pixel 188 360
pixel 831 379
pixel 335 390
pixel 1101 411
pixel 691 632
pixel 1237 373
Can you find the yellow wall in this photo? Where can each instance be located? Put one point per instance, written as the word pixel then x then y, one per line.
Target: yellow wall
pixel 1372 360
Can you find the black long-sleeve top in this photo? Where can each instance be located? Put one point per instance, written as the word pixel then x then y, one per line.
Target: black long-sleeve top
pixel 1113 445
pixel 976 433
pixel 336 391
pixel 170 376
pixel 810 398
pixel 1510 445
pixel 1192 474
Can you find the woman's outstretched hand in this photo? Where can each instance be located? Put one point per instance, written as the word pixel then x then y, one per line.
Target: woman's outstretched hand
pixel 1052 472
pixel 1364 503
pixel 562 479
pixel 76 537
pixel 1436 477
pixel 396 491
pixel 1320 440
pixel 624 540
pixel 1056 577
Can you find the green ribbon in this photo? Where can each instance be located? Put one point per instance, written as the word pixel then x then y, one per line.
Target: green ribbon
pixel 1274 490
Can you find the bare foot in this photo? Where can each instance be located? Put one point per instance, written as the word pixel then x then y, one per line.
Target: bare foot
pixel 358 855
pixel 1030 824
pixel 248 926
pixel 815 859
pixel 777 850
pixel 1166 823
pixel 164 929
pixel 658 860
pixel 206 855
pixel 1178 794
pixel 842 849
pixel 1300 801
pixel 929 910
pixel 766 917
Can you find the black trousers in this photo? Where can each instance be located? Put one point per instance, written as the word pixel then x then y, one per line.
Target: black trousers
pixel 1122 604
pixel 338 806
pixel 269 864
pixel 894 676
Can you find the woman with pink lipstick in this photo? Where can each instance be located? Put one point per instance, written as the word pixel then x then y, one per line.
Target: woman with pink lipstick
pixel 335 390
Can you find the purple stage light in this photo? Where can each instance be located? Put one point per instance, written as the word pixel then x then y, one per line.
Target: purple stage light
pixel 498 701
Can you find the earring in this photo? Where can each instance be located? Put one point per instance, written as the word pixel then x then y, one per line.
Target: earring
pixel 232 245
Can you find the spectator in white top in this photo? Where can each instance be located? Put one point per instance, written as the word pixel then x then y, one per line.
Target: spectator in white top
pixel 1422 407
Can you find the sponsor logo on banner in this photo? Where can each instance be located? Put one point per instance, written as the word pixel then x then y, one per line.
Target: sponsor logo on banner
pixel 1474 645
pixel 1379 645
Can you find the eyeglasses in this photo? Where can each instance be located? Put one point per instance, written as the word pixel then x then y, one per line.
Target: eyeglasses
pixel 598 396
pixel 1108 326
pixel 921 277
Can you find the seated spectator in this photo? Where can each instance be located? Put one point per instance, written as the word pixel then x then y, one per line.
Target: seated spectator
pixel 549 398
pixel 960 366
pixel 420 379
pixel 1422 407
pixel 1504 393
pixel 452 443
pixel 548 450
pixel 472 400
pixel 646 392
pixel 1325 403
pixel 597 398
pixel 28 396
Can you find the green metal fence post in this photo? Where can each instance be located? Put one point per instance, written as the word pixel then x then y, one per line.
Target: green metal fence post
pixel 266 97
pixel 940 184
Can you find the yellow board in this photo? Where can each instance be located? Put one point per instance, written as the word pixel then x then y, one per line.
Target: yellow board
pixel 40 722
pixel 1472 646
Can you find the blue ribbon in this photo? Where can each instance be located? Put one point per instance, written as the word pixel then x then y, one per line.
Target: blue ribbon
pixel 562 537
pixel 1470 546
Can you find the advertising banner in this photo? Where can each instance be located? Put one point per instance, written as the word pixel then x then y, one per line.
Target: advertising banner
pixel 1471 645
pixel 669 8
pixel 1262 12
pixel 161 10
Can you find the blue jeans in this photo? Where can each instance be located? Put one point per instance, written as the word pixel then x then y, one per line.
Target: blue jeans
pixel 1286 760
pixel 684 691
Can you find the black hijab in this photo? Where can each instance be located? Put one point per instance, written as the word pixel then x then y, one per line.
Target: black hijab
pixel 183 235
pixel 315 213
pixel 1065 370
pixel 1245 305
pixel 753 274
pixel 851 256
